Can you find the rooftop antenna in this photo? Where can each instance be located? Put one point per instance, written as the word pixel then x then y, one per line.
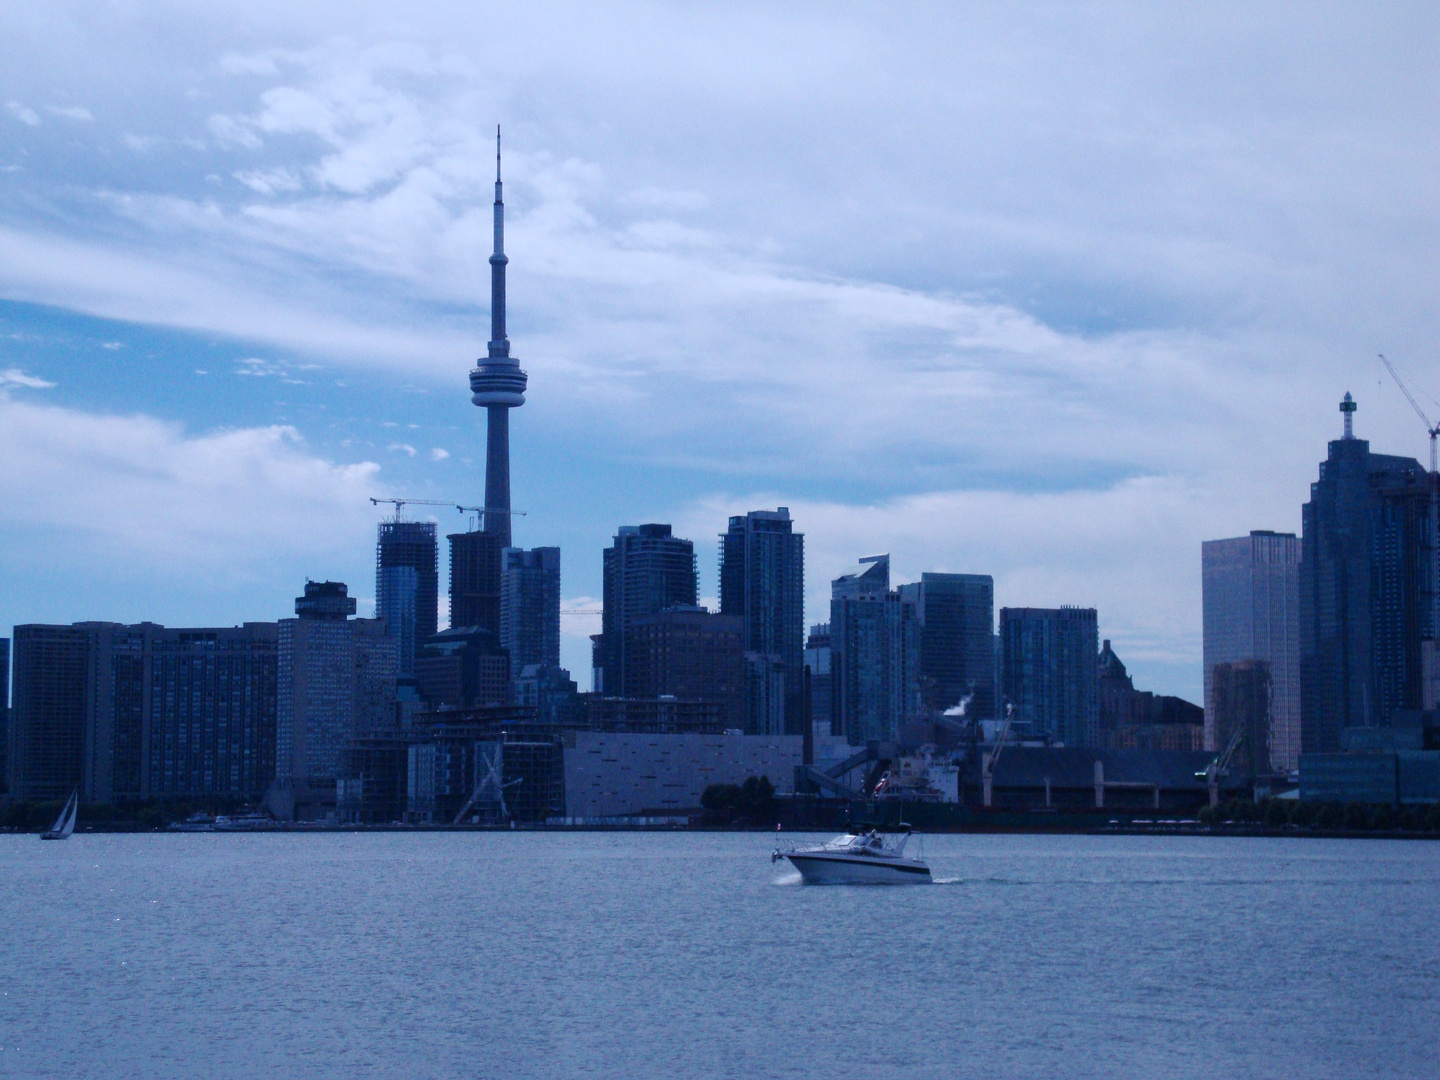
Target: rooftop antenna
pixel 497 153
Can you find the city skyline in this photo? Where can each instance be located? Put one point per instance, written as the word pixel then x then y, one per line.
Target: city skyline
pixel 705 341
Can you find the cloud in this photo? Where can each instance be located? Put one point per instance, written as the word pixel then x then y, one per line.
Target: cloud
pixel 71 112
pixel 23 114
pixel 155 498
pixel 12 377
pixel 439 454
pixel 403 448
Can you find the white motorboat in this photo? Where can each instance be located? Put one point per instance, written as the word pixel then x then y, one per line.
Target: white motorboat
pixel 864 856
pixel 65 823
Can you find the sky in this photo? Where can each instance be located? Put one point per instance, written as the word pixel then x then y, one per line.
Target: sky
pixel 1048 292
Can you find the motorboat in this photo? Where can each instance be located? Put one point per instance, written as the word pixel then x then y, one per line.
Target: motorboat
pixel 65 823
pixel 866 855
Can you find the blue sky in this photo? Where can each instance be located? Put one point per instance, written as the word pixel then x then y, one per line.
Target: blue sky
pixel 1051 293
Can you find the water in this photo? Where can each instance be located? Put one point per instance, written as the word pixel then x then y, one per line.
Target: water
pixel 686 955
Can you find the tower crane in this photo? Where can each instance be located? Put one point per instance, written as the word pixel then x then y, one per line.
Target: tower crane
pixel 1433 429
pixel 400 504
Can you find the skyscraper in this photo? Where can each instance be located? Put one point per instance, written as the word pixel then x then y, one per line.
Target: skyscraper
pixel 1050 672
pixel 132 712
pixel 4 714
pixel 693 655
pixel 1366 589
pixel 497 384
pixel 1250 587
pixel 762 579
pixel 332 675
pixel 47 729
pixel 530 607
pixel 646 570
pixel 817 661
pixel 475 581
pixel 874 653
pixel 957 640
pixel 407 585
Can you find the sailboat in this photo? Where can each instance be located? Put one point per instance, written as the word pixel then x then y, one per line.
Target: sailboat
pixel 65 823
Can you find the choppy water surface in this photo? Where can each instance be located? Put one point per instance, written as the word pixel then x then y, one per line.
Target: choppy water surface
pixel 686 955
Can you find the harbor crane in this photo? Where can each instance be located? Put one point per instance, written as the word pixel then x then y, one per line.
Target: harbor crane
pixel 1433 429
pixel 992 756
pixel 1221 764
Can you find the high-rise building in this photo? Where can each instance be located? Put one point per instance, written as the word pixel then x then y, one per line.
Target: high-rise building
pixel 1132 719
pixel 693 655
pixel 1242 695
pixel 530 607
pixel 4 714
pixel 1050 672
pixel 762 580
pixel 51 700
pixel 143 711
pixel 333 673
pixel 1366 590
pixel 957 641
pixel 464 668
pixel 817 662
pixel 874 653
pixel 646 570
pixel 407 585
pixel 1250 587
pixel 475 581
pixel 497 384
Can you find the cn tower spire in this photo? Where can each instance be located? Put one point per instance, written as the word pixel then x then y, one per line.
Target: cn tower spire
pixel 496 383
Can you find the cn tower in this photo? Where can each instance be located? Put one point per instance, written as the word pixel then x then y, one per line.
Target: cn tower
pixel 497 384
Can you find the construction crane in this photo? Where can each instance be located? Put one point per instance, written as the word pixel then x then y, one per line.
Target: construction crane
pixel 1221 764
pixel 400 504
pixel 990 757
pixel 1433 429
pixel 481 511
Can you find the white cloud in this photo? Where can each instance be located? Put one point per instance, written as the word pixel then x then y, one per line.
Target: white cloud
pixel 151 496
pixel 439 454
pixel 71 112
pixel 401 448
pixel 15 377
pixel 23 114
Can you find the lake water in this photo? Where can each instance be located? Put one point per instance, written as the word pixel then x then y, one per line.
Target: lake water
pixel 689 955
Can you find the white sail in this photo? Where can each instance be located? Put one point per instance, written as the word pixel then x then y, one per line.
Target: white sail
pixel 65 823
pixel 71 808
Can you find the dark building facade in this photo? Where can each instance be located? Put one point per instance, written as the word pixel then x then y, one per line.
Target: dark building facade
pixel 817 663
pixel 874 654
pixel 530 607
pixel 692 654
pixel 1050 673
pixel 1132 719
pixel 1366 590
pixel 762 580
pixel 475 580
pixel 1243 697
pixel 407 585
pixel 957 641
pixel 4 714
pixel 464 668
pixel 646 570
pixel 139 712
pixel 50 709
